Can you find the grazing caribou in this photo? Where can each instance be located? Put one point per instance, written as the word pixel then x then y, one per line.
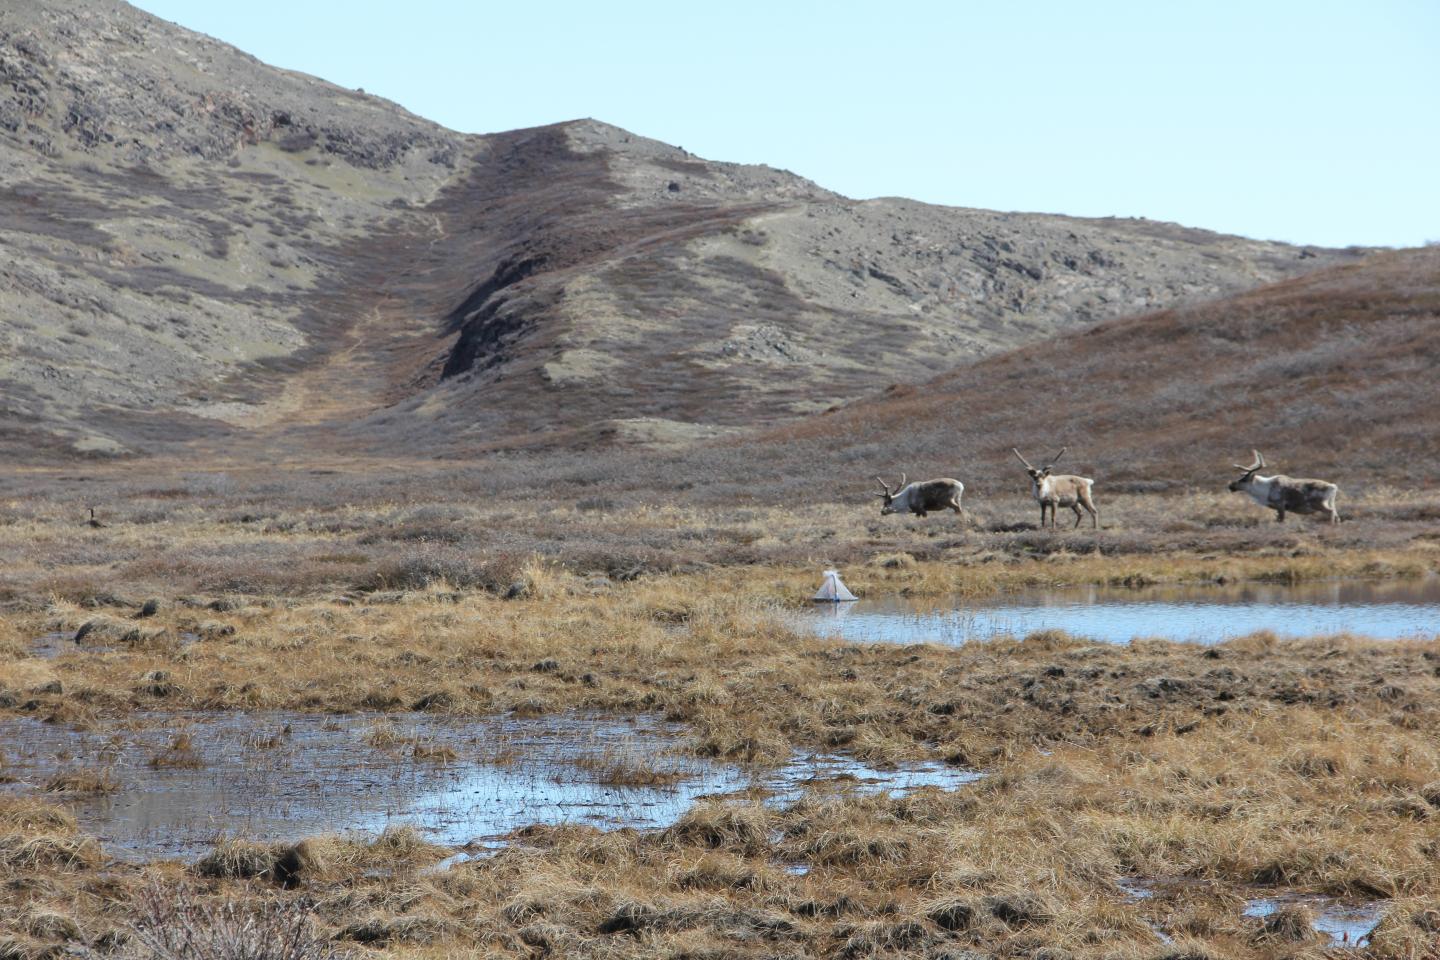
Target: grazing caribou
pixel 1064 490
pixel 1286 494
pixel 922 496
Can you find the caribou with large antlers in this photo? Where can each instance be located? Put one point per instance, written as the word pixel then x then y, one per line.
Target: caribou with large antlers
pixel 1286 494
pixel 1064 490
pixel 922 496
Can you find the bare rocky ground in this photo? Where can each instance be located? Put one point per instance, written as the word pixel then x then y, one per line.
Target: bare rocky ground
pixel 202 247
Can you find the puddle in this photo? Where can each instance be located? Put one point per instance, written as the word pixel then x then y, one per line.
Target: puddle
pixel 286 776
pixel 1346 924
pixel 788 783
pixel 51 645
pixel 1198 614
pixel 1136 888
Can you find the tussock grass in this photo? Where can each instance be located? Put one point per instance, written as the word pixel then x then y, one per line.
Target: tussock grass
pixel 626 765
pixel 81 782
pixel 1410 928
pixel 399 849
pixel 1258 765
pixel 430 751
pixel 181 754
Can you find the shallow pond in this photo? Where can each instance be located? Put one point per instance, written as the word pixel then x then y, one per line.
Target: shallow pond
pixel 286 776
pixel 1199 614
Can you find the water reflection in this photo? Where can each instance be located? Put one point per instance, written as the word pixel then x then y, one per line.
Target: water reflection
pixel 1201 614
pixel 286 776
pixel 1346 924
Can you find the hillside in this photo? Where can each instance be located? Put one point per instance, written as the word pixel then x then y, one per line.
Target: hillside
pixel 204 249
pixel 1331 375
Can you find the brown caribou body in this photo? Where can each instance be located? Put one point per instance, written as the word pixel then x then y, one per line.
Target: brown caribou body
pixel 1286 494
pixel 922 496
pixel 1064 490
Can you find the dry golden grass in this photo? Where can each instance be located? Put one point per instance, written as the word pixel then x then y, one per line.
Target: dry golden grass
pixel 1027 863
pixel 179 755
pixel 1307 764
pixel 83 782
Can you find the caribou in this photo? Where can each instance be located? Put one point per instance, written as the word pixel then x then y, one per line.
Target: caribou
pixel 1286 494
pixel 1052 491
pixel 922 496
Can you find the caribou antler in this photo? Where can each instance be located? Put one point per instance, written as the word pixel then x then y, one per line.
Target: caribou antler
pixel 1258 464
pixel 1022 459
pixel 1057 457
pixel 889 494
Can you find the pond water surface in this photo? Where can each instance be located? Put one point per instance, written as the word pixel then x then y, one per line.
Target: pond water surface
pixel 287 776
pixel 1345 923
pixel 1199 614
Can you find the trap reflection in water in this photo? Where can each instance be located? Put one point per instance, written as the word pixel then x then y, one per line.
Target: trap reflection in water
pixel 287 776
pixel 1199 614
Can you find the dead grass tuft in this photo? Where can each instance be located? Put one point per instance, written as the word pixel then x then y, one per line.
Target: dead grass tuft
pixel 181 754
pixel 34 851
pixel 83 782
pixel 237 859
pixel 737 827
pixel 1287 924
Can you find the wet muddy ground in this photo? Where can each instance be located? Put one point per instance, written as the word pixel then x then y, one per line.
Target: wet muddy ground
pixel 1344 923
pixel 173 785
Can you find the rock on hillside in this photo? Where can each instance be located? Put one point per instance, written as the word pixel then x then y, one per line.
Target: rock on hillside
pixel 200 247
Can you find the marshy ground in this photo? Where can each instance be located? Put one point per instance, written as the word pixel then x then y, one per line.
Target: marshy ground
pixel 1150 800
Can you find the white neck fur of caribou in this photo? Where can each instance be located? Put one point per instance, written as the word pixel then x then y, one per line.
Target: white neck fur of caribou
pixel 1286 494
pixel 1053 490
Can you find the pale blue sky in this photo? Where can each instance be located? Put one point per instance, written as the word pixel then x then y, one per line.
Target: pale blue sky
pixel 1314 122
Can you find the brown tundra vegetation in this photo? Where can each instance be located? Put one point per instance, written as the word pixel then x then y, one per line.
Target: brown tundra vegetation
pixel 534 584
pixel 1212 775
